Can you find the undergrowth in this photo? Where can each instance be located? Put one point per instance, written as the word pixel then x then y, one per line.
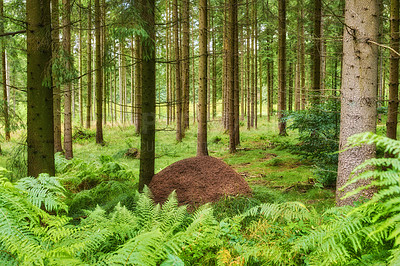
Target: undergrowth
pixel 92 214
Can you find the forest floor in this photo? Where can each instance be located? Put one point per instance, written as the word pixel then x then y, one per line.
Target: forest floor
pixel 265 159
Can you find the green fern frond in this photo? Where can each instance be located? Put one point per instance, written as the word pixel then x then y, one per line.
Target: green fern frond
pixel 171 216
pixel 137 251
pixel 145 210
pixel 287 211
pixel 6 258
pixel 394 259
pixel 44 191
pixel 390 145
pixel 19 220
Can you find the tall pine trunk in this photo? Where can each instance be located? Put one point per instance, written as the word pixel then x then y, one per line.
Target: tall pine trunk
pixel 40 138
pixel 282 67
pixel 178 88
pixel 138 84
pixel 68 85
pixel 202 149
pixel 55 35
pixel 89 68
pixel 185 63
pixel 391 123
pixel 4 76
pixel 147 146
pixel 358 94
pixel 99 76
pixel 316 54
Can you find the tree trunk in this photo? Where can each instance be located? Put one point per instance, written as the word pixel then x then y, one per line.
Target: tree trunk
pixel 290 89
pixel 214 71
pixel 261 87
pixel 255 61
pixel 178 89
pixel 248 71
pixel 316 54
pixel 40 138
pixel 185 62
pixel 358 97
pixel 193 86
pixel 168 65
pixel 89 68
pixel 236 88
pixel 299 55
pixel 99 76
pixel 56 91
pixel 302 58
pixel 202 149
pixel 252 69
pixel 282 67
pixel 147 150
pixel 4 75
pixel 138 85
pixel 68 85
pixel 80 66
pixel 391 123
pixel 132 81
pixel 232 74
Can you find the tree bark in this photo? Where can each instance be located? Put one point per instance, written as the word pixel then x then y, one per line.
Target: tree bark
pixel 255 35
pixel 214 71
pixel 178 89
pixel 80 66
pixel 302 58
pixel 282 67
pixel 4 75
pixel 138 84
pixel 40 138
pixel 236 73
pixel 185 63
pixel 358 95
pixel 55 33
pixel 202 149
pixel 99 76
pixel 290 89
pixel 147 147
pixel 391 123
pixel 68 85
pixel 89 68
pixel 316 54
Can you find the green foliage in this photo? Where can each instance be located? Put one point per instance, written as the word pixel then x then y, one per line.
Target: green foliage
pixel 101 181
pixel 17 161
pixel 83 134
pixel 369 232
pixel 318 129
pixel 148 235
pixel 45 192
pixel 26 231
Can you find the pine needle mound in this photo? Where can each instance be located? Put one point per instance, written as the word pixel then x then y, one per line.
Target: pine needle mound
pixel 198 180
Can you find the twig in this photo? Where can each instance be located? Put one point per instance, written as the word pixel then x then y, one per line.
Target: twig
pixel 12 33
pixel 384 46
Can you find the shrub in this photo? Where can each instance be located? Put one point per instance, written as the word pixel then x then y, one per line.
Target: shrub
pixel 318 129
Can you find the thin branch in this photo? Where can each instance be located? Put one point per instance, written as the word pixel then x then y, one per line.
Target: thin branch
pixel 12 33
pixel 385 46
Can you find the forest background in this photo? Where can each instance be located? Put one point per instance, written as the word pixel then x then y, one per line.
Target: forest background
pixel 247 74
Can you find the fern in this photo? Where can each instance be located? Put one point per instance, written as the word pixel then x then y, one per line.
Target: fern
pixel 286 211
pixel 44 192
pixel 140 250
pixel 148 235
pixel 20 228
pixel 369 231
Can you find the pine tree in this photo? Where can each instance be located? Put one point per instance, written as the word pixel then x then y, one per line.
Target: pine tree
pixel 40 139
